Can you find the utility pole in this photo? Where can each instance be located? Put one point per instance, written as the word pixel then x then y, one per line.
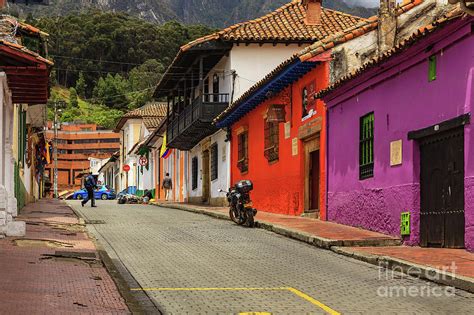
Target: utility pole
pixel 55 147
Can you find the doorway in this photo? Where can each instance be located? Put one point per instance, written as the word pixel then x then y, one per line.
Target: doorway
pixel 314 181
pixel 442 190
pixel 312 176
pixel 205 177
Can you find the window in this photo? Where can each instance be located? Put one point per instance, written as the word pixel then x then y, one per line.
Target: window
pixel 214 161
pixel 432 68
pixel 366 147
pixel 243 160
pixel 271 141
pixel 304 101
pixel 194 174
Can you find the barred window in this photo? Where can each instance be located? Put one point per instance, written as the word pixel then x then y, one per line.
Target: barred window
pixel 366 147
pixel 271 141
pixel 214 162
pixel 243 160
pixel 194 173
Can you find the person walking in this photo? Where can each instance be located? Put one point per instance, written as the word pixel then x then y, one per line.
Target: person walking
pixel 167 185
pixel 90 185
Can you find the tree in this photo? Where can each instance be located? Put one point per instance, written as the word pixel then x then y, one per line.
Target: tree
pixel 81 85
pixel 111 91
pixel 73 101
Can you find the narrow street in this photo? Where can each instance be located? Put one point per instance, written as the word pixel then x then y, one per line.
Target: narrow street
pixel 193 264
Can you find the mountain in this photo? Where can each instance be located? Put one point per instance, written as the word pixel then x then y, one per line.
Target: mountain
pixel 216 13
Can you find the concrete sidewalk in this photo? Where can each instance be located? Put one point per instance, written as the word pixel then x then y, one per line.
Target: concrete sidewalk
pixel 55 267
pixel 454 267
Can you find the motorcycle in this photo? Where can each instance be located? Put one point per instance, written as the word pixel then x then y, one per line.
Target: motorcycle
pixel 240 205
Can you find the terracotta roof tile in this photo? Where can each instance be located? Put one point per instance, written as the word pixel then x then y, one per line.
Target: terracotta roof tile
pixel 152 115
pixel 149 110
pixel 286 23
pixel 27 51
pixel 408 42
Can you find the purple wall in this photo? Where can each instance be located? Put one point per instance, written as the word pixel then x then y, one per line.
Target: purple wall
pixel 402 101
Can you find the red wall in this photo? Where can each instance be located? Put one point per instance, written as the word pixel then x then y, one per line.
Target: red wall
pixel 279 186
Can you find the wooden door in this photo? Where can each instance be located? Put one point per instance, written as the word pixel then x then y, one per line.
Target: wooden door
pixel 311 180
pixel 442 190
pixel 205 177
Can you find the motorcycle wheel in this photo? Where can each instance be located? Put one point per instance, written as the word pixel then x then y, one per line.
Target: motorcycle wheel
pixel 250 220
pixel 233 217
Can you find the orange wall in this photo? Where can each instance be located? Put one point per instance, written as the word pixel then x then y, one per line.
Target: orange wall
pixel 279 186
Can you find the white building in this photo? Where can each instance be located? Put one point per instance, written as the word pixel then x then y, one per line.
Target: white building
pixel 210 73
pixel 134 127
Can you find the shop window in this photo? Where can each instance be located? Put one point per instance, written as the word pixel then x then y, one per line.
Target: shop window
pixel 243 160
pixel 214 162
pixel 271 141
pixel 366 147
pixel 194 173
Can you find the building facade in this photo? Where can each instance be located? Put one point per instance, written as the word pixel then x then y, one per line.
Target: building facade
pixel 24 87
pixel 134 128
pixel 402 162
pixel 76 143
pixel 212 72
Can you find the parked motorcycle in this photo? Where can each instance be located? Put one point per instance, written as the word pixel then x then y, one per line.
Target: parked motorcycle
pixel 240 205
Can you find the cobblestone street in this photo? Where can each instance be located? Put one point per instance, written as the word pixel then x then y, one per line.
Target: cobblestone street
pixel 189 263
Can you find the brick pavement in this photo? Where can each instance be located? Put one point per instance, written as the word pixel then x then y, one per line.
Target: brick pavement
pixel 34 283
pixel 431 257
pixel 198 265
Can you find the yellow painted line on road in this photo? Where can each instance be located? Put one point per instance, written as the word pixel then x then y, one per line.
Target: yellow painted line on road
pixel 297 292
pixel 255 313
pixel 312 300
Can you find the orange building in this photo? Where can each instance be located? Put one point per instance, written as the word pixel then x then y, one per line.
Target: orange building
pixel 76 144
pixel 278 139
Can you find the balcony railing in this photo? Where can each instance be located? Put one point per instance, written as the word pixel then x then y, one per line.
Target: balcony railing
pixel 195 121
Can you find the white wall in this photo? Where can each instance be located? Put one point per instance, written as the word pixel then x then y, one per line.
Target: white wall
pixel 253 62
pixel 222 181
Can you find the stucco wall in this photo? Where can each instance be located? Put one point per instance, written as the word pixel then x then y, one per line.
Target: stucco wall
pixel 352 54
pixel 223 158
pixel 279 185
pixel 252 63
pixel 401 103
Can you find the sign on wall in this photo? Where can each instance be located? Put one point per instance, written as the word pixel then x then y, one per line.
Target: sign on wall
pixel 294 146
pixel 287 129
pixel 396 153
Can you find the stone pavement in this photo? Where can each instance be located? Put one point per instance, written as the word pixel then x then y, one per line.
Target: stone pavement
pixel 55 268
pixel 371 247
pixel 193 264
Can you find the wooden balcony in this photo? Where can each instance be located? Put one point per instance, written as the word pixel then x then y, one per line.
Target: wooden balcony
pixel 194 123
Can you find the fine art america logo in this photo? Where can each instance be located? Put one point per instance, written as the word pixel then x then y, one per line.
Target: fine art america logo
pixel 401 287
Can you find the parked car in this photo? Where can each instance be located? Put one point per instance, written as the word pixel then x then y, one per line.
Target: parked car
pixel 103 192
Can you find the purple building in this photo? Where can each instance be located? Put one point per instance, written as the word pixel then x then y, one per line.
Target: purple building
pixel 401 146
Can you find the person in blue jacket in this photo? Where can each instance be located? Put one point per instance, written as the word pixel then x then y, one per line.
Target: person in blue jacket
pixel 90 185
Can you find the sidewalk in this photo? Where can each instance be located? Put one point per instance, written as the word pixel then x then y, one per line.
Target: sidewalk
pixel 434 264
pixel 55 267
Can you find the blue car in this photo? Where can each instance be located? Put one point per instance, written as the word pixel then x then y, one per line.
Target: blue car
pixel 103 192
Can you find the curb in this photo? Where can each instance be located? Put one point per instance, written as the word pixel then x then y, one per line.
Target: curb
pixel 298 235
pixel 337 246
pixel 418 271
